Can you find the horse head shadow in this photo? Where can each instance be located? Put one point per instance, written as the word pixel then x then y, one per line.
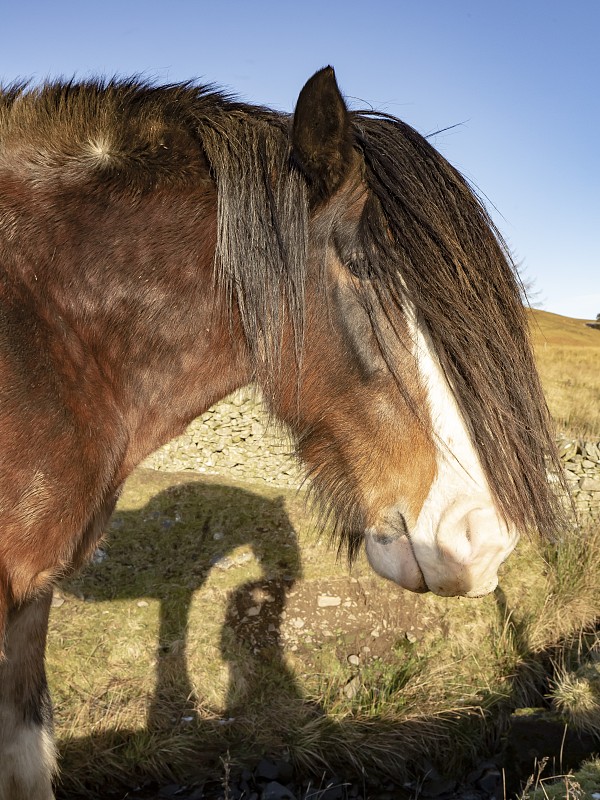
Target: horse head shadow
pixel 166 550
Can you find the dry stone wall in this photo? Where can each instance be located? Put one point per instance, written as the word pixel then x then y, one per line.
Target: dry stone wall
pixel 581 462
pixel 235 437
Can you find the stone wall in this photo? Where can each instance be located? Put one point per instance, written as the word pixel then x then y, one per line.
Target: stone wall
pixel 581 461
pixel 236 438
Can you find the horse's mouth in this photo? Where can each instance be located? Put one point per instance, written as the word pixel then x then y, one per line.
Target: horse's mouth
pixel 391 556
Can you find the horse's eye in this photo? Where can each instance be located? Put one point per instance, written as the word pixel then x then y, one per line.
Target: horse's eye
pixel 357 264
pixel 351 261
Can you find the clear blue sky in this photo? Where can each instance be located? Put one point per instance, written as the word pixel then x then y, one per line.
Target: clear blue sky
pixel 521 76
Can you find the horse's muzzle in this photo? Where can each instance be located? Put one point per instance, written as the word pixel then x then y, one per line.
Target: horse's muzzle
pixel 460 556
pixel 391 556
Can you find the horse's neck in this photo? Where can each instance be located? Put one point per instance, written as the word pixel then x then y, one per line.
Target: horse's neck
pixel 128 285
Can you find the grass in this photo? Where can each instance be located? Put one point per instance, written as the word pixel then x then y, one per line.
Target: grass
pixel 584 784
pixel 568 358
pixel 160 661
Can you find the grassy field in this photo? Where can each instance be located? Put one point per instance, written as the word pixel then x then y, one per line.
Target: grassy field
pixel 220 624
pixel 568 358
pixel 165 655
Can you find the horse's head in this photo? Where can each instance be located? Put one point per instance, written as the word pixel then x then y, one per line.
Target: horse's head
pixel 410 408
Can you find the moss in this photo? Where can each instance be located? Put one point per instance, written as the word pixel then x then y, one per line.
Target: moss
pixel 584 784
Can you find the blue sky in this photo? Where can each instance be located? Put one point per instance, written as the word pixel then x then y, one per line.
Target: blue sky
pixel 521 76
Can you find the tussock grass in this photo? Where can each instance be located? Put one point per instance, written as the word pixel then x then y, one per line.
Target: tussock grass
pixel 576 695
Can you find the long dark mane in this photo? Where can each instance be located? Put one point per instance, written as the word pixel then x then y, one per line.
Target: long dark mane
pixel 424 234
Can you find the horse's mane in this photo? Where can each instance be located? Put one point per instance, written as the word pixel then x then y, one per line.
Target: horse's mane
pixel 430 238
pixel 424 235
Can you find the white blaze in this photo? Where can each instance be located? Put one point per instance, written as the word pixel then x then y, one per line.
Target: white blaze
pixel 459 539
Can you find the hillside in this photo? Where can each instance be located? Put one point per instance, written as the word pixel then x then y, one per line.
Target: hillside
pixel 568 358
pixel 554 329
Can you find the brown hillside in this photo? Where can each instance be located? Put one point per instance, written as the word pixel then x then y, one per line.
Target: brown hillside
pixel 568 358
pixel 554 329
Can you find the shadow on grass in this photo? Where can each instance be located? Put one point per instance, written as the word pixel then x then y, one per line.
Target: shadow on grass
pixel 166 551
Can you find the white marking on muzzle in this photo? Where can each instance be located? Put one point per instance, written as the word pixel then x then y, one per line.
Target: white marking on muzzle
pixel 459 539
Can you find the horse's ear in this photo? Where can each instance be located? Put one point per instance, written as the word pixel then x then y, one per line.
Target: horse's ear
pixel 321 134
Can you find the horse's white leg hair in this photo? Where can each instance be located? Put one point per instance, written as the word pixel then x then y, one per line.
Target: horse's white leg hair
pixel 27 752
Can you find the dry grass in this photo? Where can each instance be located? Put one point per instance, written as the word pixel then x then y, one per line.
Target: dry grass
pixel 576 695
pixel 153 677
pixel 581 785
pixel 568 358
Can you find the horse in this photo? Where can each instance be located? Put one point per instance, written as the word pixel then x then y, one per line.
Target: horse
pixel 161 246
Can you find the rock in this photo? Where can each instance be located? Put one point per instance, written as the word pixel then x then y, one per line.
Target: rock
pixel 491 780
pixel 228 562
pixel 267 769
pixel 566 450
pixel 354 660
pixel 276 791
pixel 435 787
pixel 172 790
pixel 590 485
pixel 326 601
pixel 99 556
pixel 286 771
pixel 536 734
pixel 592 450
pixel 352 688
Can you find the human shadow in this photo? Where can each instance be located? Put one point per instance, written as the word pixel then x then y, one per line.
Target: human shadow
pixel 166 551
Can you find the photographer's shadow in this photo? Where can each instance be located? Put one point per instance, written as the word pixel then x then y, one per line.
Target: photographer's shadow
pixel 166 551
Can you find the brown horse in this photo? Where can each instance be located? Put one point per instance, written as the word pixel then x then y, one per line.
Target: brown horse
pixel 160 247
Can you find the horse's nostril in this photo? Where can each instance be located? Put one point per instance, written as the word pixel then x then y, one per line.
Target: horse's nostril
pixel 391 556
